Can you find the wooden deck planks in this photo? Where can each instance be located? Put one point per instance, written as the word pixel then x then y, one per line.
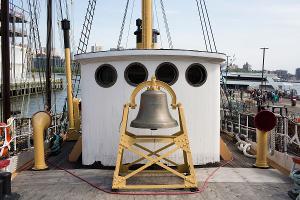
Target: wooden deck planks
pixel 228 184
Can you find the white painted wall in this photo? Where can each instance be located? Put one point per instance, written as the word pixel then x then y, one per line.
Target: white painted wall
pixel 102 107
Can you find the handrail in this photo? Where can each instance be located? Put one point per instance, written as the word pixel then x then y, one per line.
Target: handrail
pixel 26 131
pixel 286 130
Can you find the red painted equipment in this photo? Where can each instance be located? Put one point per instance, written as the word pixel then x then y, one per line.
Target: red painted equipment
pixel 5 132
pixel 265 121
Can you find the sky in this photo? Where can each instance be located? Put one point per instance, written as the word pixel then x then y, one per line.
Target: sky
pixel 241 27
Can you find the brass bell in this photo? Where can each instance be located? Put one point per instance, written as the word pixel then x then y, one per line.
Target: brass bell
pixel 154 113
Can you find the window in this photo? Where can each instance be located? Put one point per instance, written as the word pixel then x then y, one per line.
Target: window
pixel 106 75
pixel 167 72
pixel 196 75
pixel 135 74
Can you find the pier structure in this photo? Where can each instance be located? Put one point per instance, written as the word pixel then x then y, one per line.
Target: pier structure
pixel 32 87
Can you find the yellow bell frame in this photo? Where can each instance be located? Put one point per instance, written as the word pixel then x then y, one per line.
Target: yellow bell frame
pixel 133 143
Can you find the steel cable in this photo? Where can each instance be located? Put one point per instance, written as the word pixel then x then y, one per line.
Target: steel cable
pixel 123 25
pixel 211 31
pixel 201 22
pixel 158 25
pixel 205 24
pixel 130 22
pixel 166 24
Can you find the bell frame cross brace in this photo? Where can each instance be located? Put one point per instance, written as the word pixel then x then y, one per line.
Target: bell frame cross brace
pixel 172 143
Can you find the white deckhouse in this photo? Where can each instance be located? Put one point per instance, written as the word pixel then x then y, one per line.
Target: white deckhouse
pixel 109 77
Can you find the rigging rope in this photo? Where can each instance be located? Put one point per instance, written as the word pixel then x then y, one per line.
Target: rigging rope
pixel 211 31
pixel 67 9
pixel 166 24
pixel 208 35
pixel 205 24
pixel 60 9
pixel 158 25
pixel 36 39
pixel 201 22
pixel 123 25
pixel 130 22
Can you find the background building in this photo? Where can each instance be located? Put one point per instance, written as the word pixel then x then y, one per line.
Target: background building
pixel 282 74
pixel 95 48
pixel 40 61
pixel 247 67
pixel 298 74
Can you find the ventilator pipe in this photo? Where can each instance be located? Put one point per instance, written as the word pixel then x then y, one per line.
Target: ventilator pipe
pixel 40 123
pixel 264 122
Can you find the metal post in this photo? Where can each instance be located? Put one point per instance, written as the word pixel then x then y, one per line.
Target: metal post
pixel 239 123
pixel 29 134
pixel 263 66
pixel 23 15
pixel 14 41
pixel 247 124
pixel 285 134
pixel 49 49
pixel 5 59
pixel 147 24
pixel 15 135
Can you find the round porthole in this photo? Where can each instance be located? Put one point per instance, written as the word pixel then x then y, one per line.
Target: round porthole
pixel 196 75
pixel 135 74
pixel 167 72
pixel 106 75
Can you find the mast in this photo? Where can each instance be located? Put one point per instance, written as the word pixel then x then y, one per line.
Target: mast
pixel 66 28
pixel 48 61
pixel 147 24
pixel 263 67
pixel 5 59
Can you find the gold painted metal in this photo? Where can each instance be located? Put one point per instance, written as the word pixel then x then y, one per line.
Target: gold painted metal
pixel 261 149
pixel 153 85
pixel 40 122
pixel 77 121
pixel 147 24
pixel 155 46
pixel 139 45
pixel 76 151
pixel 171 144
pixel 72 135
pixel 69 88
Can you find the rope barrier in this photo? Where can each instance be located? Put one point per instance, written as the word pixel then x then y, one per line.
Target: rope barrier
pixel 199 190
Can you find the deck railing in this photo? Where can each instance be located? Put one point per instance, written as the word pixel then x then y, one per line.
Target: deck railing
pixel 17 134
pixel 284 138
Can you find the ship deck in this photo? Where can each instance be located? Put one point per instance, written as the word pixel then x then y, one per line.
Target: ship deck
pixel 228 183
pixel 236 180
